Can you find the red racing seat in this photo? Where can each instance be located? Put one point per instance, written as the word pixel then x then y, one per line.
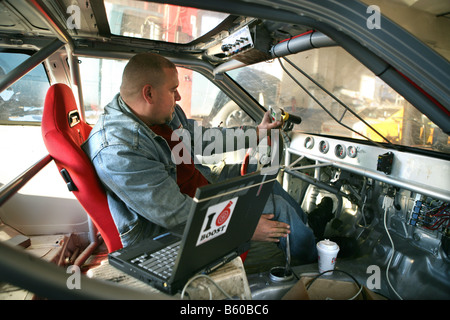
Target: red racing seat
pixel 63 132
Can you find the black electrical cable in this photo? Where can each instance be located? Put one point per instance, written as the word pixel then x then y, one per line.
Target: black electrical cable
pixel 345 272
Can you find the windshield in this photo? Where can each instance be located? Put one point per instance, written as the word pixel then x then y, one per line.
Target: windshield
pixel 327 86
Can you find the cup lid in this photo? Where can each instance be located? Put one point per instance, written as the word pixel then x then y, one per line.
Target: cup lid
pixel 328 245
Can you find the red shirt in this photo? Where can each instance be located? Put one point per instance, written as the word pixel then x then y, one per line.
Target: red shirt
pixel 188 177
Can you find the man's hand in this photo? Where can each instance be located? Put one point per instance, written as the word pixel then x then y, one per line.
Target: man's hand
pixel 270 230
pixel 267 125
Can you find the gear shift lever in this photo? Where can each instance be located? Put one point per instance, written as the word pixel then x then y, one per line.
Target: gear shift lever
pixel 288 257
pixel 280 274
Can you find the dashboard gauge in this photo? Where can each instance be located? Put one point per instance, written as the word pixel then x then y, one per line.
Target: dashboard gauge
pixel 352 151
pixel 324 146
pixel 309 142
pixel 340 151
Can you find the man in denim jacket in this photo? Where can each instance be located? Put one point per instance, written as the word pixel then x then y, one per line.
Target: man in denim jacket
pixel 131 147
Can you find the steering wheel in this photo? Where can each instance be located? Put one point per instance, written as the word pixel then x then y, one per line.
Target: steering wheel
pixel 266 153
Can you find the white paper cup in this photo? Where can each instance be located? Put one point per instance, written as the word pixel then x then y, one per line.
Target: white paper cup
pixel 327 252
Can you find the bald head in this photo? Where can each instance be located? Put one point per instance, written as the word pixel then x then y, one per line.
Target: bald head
pixel 142 69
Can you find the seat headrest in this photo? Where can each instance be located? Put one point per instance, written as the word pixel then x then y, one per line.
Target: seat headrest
pixel 61 114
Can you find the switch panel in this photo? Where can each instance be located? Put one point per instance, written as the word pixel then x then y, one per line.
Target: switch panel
pixel 248 45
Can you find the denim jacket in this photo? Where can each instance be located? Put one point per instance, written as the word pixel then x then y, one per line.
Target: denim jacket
pixel 135 166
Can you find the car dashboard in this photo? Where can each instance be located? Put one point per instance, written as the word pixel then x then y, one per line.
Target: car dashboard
pixel 390 209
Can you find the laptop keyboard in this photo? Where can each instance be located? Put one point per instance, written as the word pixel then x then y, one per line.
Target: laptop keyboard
pixel 160 262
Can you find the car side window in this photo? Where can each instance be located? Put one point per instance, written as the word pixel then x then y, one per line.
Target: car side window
pixel 203 101
pixel 23 101
pixel 21 107
pixel 100 79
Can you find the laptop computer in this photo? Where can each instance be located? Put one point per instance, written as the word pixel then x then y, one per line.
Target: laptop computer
pixel 220 225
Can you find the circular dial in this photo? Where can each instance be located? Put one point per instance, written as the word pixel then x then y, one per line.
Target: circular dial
pixel 352 151
pixel 324 146
pixel 309 142
pixel 339 151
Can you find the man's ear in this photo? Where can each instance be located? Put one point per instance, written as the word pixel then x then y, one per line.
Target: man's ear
pixel 147 93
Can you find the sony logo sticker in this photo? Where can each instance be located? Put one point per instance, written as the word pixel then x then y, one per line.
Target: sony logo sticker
pixel 216 220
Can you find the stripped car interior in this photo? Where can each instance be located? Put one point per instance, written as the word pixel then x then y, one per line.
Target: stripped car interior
pixel 365 151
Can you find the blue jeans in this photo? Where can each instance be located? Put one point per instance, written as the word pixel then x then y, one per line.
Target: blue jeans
pixel 301 239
